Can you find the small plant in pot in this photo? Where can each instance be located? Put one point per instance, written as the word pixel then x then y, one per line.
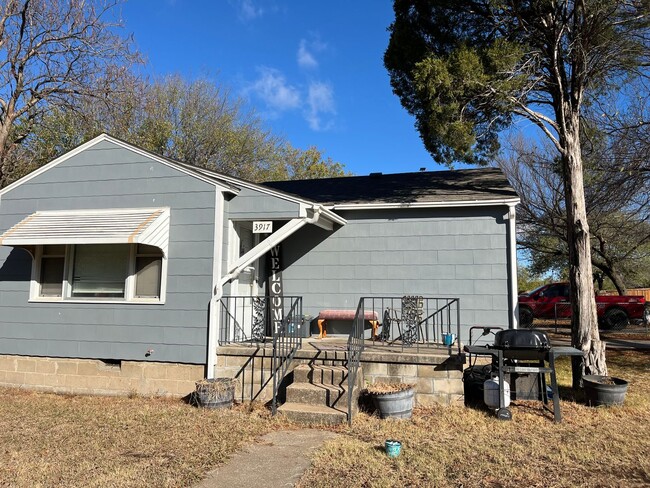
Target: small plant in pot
pixel 215 392
pixel 392 400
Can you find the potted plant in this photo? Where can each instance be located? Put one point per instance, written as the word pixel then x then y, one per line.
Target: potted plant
pixel 392 400
pixel 604 390
pixel 215 392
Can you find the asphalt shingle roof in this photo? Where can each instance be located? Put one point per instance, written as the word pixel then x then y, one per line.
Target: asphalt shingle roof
pixel 421 187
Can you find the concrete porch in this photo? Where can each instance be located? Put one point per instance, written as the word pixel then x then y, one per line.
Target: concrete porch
pixel 436 370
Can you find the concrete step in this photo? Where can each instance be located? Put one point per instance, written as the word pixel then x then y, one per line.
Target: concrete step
pixel 329 395
pixel 312 414
pixel 320 374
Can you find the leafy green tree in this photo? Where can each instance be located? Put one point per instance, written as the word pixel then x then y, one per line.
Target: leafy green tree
pixel 466 68
pixel 197 122
pixel 527 279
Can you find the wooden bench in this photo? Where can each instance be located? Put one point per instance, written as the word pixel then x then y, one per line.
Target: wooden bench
pixel 326 315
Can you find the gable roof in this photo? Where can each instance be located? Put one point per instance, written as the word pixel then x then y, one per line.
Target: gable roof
pixel 105 137
pixel 226 183
pixel 483 186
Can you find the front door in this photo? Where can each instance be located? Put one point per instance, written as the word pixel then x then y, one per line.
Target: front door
pixel 245 287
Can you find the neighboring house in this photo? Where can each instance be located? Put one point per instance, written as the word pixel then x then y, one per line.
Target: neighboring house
pixel 116 265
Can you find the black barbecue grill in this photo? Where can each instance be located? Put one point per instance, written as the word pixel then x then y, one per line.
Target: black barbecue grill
pixel 524 351
pixel 524 344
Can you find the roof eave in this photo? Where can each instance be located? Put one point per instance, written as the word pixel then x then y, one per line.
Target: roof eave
pixel 510 202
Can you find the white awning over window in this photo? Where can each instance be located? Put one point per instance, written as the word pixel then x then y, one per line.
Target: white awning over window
pixel 115 226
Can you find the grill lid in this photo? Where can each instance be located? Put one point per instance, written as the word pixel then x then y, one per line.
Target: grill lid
pixel 521 339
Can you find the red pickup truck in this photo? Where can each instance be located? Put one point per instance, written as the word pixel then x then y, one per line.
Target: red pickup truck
pixel 552 301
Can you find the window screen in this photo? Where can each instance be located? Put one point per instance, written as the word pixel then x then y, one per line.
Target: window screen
pixel 100 270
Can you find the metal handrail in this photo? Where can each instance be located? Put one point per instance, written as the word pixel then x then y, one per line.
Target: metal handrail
pixel 425 325
pixel 286 342
pixel 240 313
pixel 355 348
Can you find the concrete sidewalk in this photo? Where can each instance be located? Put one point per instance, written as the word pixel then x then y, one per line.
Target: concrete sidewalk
pixel 278 459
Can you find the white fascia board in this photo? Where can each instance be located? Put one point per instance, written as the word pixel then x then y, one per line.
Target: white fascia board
pixel 106 137
pixel 448 204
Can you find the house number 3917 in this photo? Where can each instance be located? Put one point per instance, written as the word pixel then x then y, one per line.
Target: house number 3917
pixel 262 227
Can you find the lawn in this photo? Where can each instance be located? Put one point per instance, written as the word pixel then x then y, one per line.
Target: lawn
pixel 69 441
pixel 58 440
pixel 460 447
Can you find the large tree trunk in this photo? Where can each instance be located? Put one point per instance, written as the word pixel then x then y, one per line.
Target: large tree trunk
pixel 584 321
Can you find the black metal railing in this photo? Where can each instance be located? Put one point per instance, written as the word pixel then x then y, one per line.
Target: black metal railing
pixel 243 319
pixel 410 323
pixel 259 320
pixel 414 322
pixel 355 348
pixel 287 339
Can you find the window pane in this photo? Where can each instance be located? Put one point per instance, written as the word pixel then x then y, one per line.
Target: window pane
pixel 100 270
pixel 147 281
pixel 51 276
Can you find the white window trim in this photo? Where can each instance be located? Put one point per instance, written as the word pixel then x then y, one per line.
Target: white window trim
pixel 129 289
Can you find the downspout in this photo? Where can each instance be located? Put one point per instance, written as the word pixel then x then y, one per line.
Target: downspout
pixel 262 248
pixel 512 269
pixel 213 315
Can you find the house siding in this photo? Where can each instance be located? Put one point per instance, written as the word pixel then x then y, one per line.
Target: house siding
pixel 453 253
pixel 255 205
pixel 251 204
pixel 109 176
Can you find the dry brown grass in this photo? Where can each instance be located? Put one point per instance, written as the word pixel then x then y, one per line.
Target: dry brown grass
pixel 461 447
pixel 60 440
pixel 53 440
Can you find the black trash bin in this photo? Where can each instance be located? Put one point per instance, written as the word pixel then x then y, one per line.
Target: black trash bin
pixel 473 379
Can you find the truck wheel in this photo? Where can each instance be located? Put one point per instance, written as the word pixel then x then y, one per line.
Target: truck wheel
pixel 525 317
pixel 615 318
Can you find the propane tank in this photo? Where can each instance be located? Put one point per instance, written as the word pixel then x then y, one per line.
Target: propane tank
pixel 491 393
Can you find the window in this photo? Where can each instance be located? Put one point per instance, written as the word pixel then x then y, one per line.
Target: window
pixel 105 272
pixel 148 271
pixel 52 266
pixel 100 270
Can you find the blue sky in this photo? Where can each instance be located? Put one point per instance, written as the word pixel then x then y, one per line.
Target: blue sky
pixel 312 69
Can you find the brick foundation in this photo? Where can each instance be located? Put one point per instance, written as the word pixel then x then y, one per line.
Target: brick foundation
pixel 95 377
pixel 434 383
pixel 438 379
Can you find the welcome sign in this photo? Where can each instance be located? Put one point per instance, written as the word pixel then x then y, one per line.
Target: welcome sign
pixel 275 288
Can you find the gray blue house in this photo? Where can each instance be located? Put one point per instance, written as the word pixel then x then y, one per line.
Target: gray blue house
pixel 119 268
